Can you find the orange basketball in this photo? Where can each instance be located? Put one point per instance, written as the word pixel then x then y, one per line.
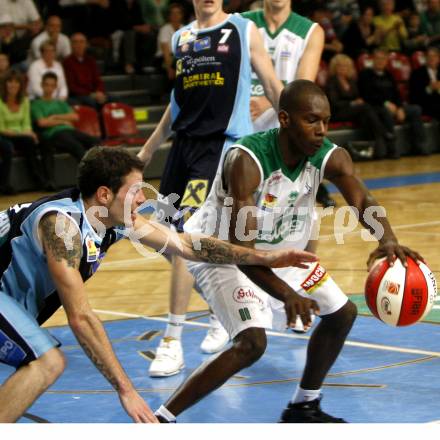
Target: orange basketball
pixel 400 296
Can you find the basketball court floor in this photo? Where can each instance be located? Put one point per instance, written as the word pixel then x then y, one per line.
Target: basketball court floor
pixel 384 374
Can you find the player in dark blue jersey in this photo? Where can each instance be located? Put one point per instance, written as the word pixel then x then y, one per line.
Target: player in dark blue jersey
pixel 209 110
pixel 48 248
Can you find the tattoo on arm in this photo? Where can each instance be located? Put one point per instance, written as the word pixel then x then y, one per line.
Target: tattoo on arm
pixel 57 245
pixel 219 252
pixel 99 365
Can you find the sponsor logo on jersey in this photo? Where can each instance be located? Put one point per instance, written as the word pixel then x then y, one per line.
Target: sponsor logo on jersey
pixel 92 250
pixel 392 287
pixel 285 54
pixel 318 276
pixel 184 48
pixel 257 89
pixel 202 44
pixel 179 64
pixel 246 295
pixel 203 80
pixel 288 224
pixel 223 48
pixel 186 37
pixel 269 201
pixel 244 314
pixel 275 178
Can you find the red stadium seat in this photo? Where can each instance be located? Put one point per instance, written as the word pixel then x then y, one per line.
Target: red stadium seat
pixel 88 121
pixel 399 66
pixel 120 125
pixel 418 59
pixel 364 61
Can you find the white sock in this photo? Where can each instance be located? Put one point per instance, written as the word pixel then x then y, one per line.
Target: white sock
pixel 175 326
pixel 162 411
pixel 305 395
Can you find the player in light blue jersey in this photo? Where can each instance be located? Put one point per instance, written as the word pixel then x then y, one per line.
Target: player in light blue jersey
pixel 50 247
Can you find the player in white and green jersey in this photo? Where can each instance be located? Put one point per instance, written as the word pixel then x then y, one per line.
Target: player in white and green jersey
pixel 263 197
pixel 295 45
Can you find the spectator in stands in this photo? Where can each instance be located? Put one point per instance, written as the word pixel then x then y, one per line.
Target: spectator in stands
pixel 417 37
pixel 343 14
pixel 391 27
pixel 47 63
pixel 83 77
pixel 424 84
pixel 332 45
pixel 6 150
pixel 55 119
pixel 431 22
pixel 361 36
pixel 164 55
pixel 347 105
pixel 378 87
pixel 15 124
pixel 4 67
pixel 154 12
pixel 16 48
pixel 138 37
pixel 25 16
pixel 53 34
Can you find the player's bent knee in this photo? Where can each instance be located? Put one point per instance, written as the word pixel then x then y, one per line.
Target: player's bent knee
pixel 250 345
pixel 52 365
pixel 342 318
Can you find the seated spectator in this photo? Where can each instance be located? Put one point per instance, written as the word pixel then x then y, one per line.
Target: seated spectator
pixel 53 34
pixel 347 105
pixel 391 27
pixel 417 38
pixel 361 36
pixel 83 77
pixel 378 87
pixel 15 124
pixel 25 16
pixel 343 14
pixel 431 22
pixel 332 45
pixel 138 37
pixel 6 150
pixel 16 48
pixel 424 84
pixel 55 119
pixel 164 54
pixel 38 68
pixel 4 67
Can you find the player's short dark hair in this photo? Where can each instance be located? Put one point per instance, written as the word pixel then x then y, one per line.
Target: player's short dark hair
pixel 293 94
pixel 104 166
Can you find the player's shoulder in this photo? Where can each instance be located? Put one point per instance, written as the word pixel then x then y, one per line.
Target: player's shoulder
pixel 257 16
pixel 299 24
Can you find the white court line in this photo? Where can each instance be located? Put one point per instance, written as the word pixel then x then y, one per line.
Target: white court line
pixel 282 335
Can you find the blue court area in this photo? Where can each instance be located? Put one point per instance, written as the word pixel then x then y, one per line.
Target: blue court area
pixel 384 374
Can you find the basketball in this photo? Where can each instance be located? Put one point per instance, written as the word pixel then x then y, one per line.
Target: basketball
pixel 400 296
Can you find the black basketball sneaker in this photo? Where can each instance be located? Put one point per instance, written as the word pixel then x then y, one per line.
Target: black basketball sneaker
pixel 307 412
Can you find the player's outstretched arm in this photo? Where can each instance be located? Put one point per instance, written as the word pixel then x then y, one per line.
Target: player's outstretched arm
pixel 340 171
pixel 198 247
pixel 160 134
pixel 62 245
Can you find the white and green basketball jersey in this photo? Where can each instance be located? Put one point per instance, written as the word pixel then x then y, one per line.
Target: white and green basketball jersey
pixel 285 197
pixel 286 47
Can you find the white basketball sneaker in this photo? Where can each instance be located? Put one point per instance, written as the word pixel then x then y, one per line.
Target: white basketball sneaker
pixel 299 326
pixel 168 360
pixel 216 338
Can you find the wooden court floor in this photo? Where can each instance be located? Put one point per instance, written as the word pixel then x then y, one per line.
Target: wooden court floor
pixel 130 283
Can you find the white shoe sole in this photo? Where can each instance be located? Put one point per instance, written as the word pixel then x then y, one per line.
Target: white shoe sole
pixel 164 373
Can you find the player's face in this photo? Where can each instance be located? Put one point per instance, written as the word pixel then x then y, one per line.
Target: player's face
pixel 207 7
pixel 307 127
pixel 129 197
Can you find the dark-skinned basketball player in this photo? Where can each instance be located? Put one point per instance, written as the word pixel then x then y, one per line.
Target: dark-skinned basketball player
pixel 274 175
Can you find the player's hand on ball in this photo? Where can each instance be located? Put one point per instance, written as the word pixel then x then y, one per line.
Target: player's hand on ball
pixel 298 305
pixel 390 250
pixel 137 408
pixel 290 257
